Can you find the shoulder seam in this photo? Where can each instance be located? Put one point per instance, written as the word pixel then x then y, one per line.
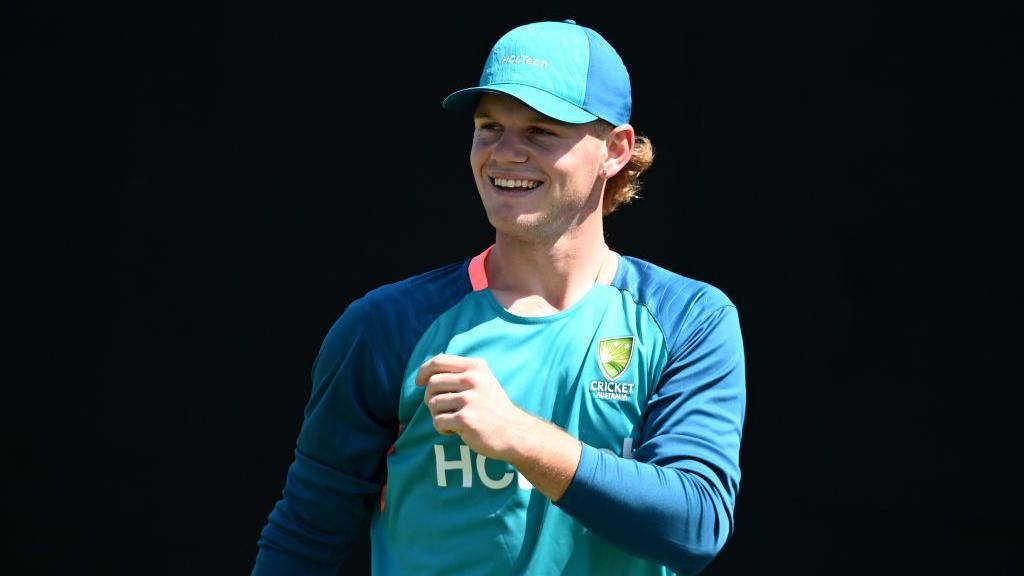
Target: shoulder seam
pixel 654 316
pixel 670 339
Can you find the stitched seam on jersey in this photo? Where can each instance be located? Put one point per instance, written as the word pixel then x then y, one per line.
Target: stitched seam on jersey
pixel 700 321
pixel 668 347
pixel 661 330
pixel 415 344
pixel 707 317
pixel 636 300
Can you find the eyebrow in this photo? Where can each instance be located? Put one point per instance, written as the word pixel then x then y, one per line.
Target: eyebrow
pixel 534 118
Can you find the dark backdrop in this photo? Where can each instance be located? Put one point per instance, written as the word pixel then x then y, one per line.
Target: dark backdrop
pixel 195 194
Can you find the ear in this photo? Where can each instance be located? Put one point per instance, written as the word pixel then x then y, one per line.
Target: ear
pixel 619 143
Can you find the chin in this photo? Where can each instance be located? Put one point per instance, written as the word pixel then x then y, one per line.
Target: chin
pixel 525 228
pixel 513 223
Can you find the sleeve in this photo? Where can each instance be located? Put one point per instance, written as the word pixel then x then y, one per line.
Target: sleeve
pixel 339 467
pixel 683 482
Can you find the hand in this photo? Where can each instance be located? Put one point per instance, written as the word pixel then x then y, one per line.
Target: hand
pixel 465 398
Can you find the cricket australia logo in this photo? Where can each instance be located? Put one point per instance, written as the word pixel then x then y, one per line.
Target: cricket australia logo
pixel 613 356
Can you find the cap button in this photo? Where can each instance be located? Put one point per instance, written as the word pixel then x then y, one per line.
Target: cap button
pixel 568 21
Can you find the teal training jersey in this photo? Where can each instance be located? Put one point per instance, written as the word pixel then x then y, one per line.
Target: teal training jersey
pixel 646 372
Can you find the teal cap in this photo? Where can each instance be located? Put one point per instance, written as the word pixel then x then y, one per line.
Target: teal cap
pixel 560 69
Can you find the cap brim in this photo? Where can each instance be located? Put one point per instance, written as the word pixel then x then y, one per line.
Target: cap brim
pixel 544 102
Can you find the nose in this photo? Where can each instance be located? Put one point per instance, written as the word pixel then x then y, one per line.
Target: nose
pixel 509 148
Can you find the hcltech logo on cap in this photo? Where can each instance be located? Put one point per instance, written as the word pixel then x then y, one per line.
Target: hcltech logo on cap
pixel 565 71
pixel 525 59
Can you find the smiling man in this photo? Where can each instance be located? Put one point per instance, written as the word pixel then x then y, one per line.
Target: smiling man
pixel 546 407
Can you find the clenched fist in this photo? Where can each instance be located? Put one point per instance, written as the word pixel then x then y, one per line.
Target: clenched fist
pixel 465 398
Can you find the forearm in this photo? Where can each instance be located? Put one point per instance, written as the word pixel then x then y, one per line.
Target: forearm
pixel 669 515
pixel 312 529
pixel 547 456
pixel 338 470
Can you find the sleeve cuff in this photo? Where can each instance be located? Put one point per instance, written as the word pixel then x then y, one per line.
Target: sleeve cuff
pixel 582 481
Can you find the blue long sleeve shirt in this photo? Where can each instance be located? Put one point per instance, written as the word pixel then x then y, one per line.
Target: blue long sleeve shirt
pixel 647 372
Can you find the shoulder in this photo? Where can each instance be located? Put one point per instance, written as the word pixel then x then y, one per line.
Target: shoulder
pixel 404 306
pixel 666 291
pixel 424 290
pixel 678 303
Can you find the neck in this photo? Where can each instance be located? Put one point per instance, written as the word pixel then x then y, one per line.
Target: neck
pixel 547 276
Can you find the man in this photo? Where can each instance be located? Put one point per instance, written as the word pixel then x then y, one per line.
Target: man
pixel 546 407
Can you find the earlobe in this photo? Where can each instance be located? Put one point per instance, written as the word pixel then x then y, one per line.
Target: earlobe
pixel 620 144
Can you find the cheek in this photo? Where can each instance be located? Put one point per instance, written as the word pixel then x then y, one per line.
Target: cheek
pixel 582 160
pixel 478 154
pixel 477 161
pixel 579 173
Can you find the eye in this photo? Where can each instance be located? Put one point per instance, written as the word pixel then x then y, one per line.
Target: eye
pixel 541 131
pixel 488 127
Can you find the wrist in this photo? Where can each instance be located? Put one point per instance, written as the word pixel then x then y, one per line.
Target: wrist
pixel 546 455
pixel 526 439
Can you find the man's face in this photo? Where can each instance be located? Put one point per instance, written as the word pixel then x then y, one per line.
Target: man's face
pixel 537 176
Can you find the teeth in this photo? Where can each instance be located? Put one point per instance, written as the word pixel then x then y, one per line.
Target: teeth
pixel 508 183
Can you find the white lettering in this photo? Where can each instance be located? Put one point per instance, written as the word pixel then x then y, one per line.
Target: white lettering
pixel 463 463
pixel 524 59
pixel 481 468
pixel 612 390
pixel 613 387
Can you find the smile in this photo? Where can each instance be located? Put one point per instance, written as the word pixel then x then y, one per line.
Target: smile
pixel 512 184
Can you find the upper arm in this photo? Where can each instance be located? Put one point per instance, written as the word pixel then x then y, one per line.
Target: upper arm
pixel 352 414
pixel 693 421
pixel 339 467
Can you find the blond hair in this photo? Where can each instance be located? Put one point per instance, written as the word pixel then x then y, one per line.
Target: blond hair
pixel 625 185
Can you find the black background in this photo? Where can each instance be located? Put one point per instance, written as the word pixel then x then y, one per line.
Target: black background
pixel 195 194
